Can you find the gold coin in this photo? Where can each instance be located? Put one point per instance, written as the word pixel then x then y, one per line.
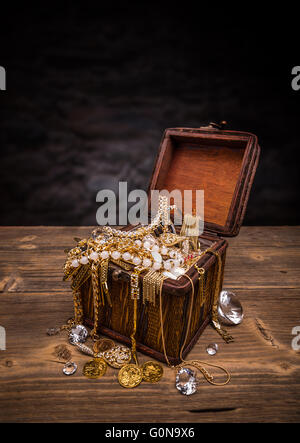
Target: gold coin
pixel 95 368
pixel 104 344
pixel 152 371
pixel 130 376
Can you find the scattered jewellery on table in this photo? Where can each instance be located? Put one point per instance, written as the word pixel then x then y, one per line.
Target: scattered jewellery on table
pixel 84 349
pixel 95 368
pixel 117 356
pixel 230 311
pixel 152 371
pixel 70 368
pixel 212 348
pixel 130 376
pixel 186 381
pixel 78 334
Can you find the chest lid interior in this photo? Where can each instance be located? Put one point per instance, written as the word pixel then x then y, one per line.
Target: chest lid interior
pixel 221 163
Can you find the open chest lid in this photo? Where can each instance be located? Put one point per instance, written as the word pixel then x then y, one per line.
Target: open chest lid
pixel 221 163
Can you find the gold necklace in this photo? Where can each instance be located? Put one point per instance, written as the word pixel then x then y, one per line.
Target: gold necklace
pixel 131 375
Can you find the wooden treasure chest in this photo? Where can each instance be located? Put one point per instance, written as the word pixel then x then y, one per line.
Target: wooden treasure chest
pixel 170 317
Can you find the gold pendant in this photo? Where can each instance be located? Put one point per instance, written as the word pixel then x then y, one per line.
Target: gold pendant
pixel 169 239
pixel 152 371
pixel 95 368
pixel 104 344
pixel 130 376
pixel 117 356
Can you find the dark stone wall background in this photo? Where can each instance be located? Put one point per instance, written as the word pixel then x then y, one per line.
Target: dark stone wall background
pixel 90 91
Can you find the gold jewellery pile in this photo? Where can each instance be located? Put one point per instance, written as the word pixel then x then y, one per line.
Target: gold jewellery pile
pixel 155 250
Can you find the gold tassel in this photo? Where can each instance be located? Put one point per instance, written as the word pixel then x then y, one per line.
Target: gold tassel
pixel 190 229
pixel 103 280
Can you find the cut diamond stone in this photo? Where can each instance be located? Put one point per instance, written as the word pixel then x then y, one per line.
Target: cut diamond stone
pixel 186 381
pixel 212 349
pixel 78 334
pixel 230 310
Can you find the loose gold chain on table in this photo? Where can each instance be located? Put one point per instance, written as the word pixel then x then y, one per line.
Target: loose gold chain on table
pixel 195 363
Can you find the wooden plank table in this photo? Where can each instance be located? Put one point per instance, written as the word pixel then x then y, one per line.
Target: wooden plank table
pixel 263 268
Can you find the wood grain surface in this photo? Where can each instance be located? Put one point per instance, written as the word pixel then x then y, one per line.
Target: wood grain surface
pixel 263 268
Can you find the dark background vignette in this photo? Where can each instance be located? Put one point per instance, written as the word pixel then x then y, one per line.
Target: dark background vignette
pixel 91 89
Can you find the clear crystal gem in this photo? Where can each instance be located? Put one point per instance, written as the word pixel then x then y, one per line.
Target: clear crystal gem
pixel 230 310
pixel 70 368
pixel 78 334
pixel 186 381
pixel 212 349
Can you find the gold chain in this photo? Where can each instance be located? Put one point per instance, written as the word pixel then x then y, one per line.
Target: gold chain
pixel 103 280
pixel 201 272
pixel 215 321
pixel 78 310
pixel 132 336
pixel 96 297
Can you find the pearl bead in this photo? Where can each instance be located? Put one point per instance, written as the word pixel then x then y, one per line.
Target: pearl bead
pixel 147 262
pixel 138 243
pixel 84 260
pixel 126 256
pixel 147 245
pixel 137 261
pixel 155 248
pixel 167 265
pixel 156 266
pixel 75 263
pixel 176 263
pixel 116 255
pixel 172 254
pixel 104 254
pixel 94 255
pixel 164 250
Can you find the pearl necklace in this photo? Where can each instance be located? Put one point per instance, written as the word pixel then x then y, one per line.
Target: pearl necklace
pixel 162 216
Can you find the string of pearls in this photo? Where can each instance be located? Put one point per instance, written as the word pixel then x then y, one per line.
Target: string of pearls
pixel 161 216
pixel 138 247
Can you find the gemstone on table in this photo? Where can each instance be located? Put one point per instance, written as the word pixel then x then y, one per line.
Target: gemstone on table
pixel 186 381
pixel 230 310
pixel 212 348
pixel 78 334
